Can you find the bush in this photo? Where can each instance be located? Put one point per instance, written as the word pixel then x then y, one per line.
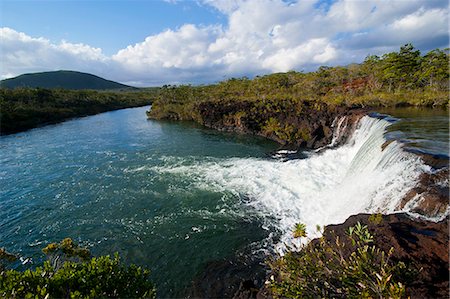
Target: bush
pixel 342 268
pixel 97 277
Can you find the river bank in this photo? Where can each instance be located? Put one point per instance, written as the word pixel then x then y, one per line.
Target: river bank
pixel 26 108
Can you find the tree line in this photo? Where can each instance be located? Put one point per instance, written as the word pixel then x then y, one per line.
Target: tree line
pixel 405 77
pixel 26 108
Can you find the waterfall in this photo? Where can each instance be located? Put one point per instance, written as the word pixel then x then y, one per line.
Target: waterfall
pixel 338 130
pixel 325 188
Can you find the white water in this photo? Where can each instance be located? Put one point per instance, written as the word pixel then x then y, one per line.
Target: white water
pixel 325 188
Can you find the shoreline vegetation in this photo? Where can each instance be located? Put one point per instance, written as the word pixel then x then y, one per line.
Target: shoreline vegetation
pixel 295 107
pixel 26 108
pixel 71 272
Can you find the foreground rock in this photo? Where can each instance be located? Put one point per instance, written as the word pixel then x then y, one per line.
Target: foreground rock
pixel 235 277
pixel 421 245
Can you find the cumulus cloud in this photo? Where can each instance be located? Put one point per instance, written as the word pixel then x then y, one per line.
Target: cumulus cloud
pixel 21 53
pixel 260 36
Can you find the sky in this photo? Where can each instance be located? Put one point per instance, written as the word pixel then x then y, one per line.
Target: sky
pixel 151 43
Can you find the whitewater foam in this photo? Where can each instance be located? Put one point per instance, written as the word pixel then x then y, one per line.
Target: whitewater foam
pixel 325 188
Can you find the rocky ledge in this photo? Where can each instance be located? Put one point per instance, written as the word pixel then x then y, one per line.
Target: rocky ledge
pixel 421 245
pixel 309 124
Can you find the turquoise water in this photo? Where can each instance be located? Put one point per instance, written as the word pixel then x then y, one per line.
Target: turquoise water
pixel 97 180
pixel 173 196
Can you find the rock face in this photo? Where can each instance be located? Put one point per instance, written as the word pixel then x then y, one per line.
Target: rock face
pixel 307 125
pixel 430 197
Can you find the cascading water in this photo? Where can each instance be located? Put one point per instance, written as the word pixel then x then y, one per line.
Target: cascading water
pixel 325 188
pixel 338 129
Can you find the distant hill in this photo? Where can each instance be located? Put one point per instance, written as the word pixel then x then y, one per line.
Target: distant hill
pixel 63 79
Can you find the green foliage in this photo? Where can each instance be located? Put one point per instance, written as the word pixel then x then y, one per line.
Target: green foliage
pixel 66 250
pixel 99 277
pixel 347 267
pixel 67 247
pixel 376 218
pixel 78 276
pixel 299 230
pixel 25 108
pixel 272 126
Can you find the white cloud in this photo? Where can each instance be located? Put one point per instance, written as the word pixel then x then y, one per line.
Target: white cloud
pixel 21 53
pixel 260 36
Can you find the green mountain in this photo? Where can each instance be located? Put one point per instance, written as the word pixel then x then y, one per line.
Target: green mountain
pixel 63 79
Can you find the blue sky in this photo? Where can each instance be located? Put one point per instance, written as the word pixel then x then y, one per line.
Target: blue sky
pixel 110 25
pixel 147 43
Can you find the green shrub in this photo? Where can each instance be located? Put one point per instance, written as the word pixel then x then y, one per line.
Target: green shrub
pixel 77 277
pixel 300 230
pixel 341 268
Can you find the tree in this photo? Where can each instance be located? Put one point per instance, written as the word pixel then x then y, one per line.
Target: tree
pixel 399 69
pixel 434 68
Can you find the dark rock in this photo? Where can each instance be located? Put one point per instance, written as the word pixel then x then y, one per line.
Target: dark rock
pixel 422 245
pixel 430 196
pixel 236 277
pixel 418 243
pixel 434 161
pixel 313 124
pixel 247 290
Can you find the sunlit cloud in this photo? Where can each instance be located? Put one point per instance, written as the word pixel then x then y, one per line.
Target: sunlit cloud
pixel 259 37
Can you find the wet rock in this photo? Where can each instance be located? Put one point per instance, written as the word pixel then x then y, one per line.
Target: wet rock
pixel 434 161
pixel 430 197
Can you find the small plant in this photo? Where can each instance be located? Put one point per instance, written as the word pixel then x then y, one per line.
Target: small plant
pixel 318 228
pixel 343 267
pixel 376 218
pixel 362 232
pixel 66 250
pixel 300 230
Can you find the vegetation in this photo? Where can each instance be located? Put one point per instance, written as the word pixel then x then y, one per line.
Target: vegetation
pixel 26 108
pixel 100 277
pixel 300 230
pixel 338 268
pixel 63 79
pixel 272 105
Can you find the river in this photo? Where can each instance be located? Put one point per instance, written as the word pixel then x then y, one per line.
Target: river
pixel 173 196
